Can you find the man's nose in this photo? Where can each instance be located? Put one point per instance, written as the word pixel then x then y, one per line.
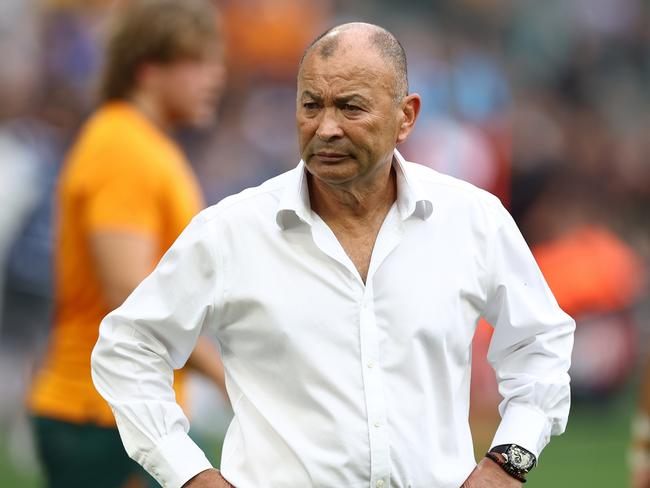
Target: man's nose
pixel 329 127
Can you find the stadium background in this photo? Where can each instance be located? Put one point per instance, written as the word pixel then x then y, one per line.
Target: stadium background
pixel 546 104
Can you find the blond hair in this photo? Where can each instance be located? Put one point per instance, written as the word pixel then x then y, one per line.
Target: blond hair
pixel 156 31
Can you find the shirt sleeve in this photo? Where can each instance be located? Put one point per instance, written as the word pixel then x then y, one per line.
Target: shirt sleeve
pixel 123 195
pixel 144 340
pixel 530 349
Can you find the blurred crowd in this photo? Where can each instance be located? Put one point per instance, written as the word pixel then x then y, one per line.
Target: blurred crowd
pixel 546 104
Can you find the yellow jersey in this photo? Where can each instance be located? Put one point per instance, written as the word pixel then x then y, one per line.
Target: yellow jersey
pixel 123 174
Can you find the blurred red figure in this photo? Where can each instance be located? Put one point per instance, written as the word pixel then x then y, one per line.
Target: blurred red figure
pixel 590 270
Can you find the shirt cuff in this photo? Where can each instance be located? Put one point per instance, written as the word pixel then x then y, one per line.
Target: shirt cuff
pixel 175 460
pixel 525 426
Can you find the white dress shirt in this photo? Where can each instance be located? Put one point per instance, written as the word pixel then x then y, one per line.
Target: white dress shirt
pixel 333 382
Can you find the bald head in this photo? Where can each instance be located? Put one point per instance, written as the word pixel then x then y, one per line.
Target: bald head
pixel 359 35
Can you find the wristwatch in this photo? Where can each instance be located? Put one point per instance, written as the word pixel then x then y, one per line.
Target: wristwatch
pixel 513 459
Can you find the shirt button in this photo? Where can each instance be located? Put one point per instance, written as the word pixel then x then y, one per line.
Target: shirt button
pixel 377 424
pixel 379 483
pixel 371 364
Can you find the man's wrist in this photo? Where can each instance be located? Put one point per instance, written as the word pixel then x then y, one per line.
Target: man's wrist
pixel 488 474
pixel 210 478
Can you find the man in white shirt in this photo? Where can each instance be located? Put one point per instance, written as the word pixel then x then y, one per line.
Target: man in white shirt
pixel 344 295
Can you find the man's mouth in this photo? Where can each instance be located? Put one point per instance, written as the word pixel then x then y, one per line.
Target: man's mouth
pixel 330 157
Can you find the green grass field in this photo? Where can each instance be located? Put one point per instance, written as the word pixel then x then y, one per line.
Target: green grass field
pixel 590 454
pixel 10 477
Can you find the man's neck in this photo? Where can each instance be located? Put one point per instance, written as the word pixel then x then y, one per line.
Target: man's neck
pixel 357 204
pixel 149 106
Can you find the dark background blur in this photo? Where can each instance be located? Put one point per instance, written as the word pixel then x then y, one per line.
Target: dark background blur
pixel 544 103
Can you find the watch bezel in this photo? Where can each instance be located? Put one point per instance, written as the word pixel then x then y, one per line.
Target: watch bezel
pixel 513 452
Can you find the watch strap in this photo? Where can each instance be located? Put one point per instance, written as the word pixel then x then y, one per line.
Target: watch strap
pixel 501 460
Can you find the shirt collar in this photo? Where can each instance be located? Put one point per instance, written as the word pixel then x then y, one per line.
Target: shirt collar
pixel 295 207
pixel 411 199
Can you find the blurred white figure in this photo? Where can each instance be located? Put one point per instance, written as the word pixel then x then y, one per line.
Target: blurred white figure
pixel 19 192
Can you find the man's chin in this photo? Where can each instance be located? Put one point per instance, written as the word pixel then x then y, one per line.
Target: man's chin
pixel 204 121
pixel 333 174
pixel 198 120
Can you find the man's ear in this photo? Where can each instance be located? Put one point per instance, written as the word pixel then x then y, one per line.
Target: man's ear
pixel 410 108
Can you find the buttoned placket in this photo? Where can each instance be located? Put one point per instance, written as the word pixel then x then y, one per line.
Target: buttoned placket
pixel 387 239
pixel 373 390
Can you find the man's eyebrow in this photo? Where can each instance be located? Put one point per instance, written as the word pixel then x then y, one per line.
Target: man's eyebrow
pixel 352 97
pixel 308 94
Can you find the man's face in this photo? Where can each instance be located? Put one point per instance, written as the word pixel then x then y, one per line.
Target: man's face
pixel 347 118
pixel 189 90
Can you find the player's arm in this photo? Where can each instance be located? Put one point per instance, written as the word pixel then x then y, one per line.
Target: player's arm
pixel 122 260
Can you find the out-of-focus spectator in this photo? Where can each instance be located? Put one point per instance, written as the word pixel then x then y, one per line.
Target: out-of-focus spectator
pixel 590 270
pixel 18 195
pixel 18 163
pixel 250 24
pixel 124 195
pixel 595 275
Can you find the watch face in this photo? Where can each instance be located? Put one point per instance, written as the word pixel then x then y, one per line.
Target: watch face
pixel 520 458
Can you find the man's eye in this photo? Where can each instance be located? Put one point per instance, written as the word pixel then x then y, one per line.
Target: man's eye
pixel 310 105
pixel 350 108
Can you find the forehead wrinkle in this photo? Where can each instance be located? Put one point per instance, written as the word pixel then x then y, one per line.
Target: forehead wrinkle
pixel 361 91
pixel 357 77
pixel 350 97
pixel 340 75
